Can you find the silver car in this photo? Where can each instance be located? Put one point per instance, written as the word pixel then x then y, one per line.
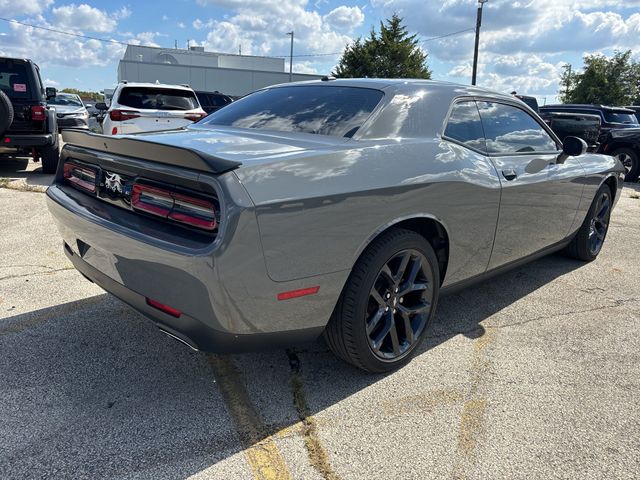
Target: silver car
pixel 336 207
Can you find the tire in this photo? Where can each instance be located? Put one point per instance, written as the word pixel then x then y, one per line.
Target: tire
pixel 587 243
pixel 631 161
pixel 356 330
pixel 50 157
pixel 6 113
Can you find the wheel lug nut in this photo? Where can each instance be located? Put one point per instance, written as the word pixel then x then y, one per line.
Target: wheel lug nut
pixel 394 310
pixel 401 299
pixel 386 309
pixel 396 290
pixel 388 295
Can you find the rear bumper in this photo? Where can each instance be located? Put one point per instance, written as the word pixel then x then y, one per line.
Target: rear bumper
pixel 227 301
pixel 9 140
pixel 187 329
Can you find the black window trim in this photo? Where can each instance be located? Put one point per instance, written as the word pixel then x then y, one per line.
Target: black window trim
pixel 545 127
pixel 455 102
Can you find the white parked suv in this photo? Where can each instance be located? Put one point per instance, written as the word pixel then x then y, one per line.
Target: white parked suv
pixel 147 107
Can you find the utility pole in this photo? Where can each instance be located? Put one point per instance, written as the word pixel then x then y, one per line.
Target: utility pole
pixel 291 58
pixel 475 50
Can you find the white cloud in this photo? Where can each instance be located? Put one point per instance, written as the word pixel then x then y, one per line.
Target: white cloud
pixel 523 43
pixel 261 27
pixel 86 18
pixel 23 7
pixel 50 83
pixel 345 18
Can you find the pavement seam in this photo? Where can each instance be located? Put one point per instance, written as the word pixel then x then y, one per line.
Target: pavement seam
pixel 318 457
pixel 260 449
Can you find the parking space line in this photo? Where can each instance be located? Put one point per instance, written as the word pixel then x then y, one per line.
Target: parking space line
pixel 261 451
pixel 317 454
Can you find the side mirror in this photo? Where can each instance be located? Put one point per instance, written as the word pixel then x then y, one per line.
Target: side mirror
pixel 572 147
pixel 101 106
pixel 50 92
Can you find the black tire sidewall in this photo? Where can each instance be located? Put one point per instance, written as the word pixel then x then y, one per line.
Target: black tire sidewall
pixel 50 156
pixel 386 247
pixel 6 112
pixel 583 250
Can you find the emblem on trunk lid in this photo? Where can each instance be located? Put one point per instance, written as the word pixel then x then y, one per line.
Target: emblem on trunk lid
pixel 113 182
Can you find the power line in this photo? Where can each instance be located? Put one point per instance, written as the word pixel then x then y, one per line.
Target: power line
pixel 448 35
pixel 307 55
pixel 9 20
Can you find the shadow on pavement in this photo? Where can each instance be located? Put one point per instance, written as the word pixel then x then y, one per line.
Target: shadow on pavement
pixel 16 167
pixel 92 390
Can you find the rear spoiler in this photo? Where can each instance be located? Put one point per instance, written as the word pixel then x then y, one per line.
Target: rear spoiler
pixel 149 150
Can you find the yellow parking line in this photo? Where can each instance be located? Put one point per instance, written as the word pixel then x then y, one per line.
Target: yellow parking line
pixel 261 451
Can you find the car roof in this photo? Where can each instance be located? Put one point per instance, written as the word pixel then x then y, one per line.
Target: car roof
pixel 591 106
pixel 155 85
pixel 400 85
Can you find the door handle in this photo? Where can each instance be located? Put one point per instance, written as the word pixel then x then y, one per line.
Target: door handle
pixel 509 174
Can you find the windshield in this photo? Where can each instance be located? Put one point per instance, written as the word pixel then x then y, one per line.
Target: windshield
pixel 66 100
pixel 324 110
pixel 620 117
pixel 158 98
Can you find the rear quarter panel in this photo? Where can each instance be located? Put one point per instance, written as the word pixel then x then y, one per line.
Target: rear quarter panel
pixel 317 212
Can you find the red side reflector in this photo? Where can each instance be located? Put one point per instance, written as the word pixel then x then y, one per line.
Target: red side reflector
pixel 298 293
pixel 7 140
pixel 164 308
pixel 114 130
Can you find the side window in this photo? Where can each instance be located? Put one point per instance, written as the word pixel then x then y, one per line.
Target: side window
pixel 465 126
pixel 511 130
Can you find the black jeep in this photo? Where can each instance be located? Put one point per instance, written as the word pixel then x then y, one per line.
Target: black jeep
pixel 27 124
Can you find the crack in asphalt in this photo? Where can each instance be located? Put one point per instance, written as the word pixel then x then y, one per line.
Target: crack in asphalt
pixel 318 457
pixel 48 272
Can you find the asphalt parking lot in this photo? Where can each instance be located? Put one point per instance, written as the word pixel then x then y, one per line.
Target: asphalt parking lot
pixel 533 374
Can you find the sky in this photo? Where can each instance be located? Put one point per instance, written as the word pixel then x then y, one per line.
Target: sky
pixel 524 43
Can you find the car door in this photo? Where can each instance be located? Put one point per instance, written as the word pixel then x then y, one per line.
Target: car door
pixel 540 197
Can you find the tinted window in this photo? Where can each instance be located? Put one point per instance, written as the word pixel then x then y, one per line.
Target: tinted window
pixel 337 111
pixel 464 125
pixel 157 98
pixel 508 129
pixel 615 117
pixel 14 79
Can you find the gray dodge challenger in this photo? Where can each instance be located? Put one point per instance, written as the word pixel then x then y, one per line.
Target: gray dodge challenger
pixel 335 207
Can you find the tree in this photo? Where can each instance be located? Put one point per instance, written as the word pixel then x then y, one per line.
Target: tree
pixel 604 80
pixel 392 53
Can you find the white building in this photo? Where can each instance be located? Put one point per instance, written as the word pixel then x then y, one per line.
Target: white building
pixel 233 75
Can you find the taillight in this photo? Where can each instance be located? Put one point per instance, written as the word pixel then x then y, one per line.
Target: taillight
pixel 194 117
pixel 174 312
pixel 80 176
pixel 38 113
pixel 122 115
pixel 174 206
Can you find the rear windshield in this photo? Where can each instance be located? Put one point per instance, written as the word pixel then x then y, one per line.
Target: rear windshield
pixel 14 79
pixel 619 117
pixel 66 100
pixel 158 98
pixel 337 111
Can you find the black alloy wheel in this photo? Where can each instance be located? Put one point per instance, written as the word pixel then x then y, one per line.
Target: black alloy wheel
pixel 399 304
pixel 599 222
pixel 387 302
pixel 589 239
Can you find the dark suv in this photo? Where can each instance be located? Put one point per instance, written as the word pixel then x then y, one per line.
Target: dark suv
pixel 619 133
pixel 212 101
pixel 27 124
